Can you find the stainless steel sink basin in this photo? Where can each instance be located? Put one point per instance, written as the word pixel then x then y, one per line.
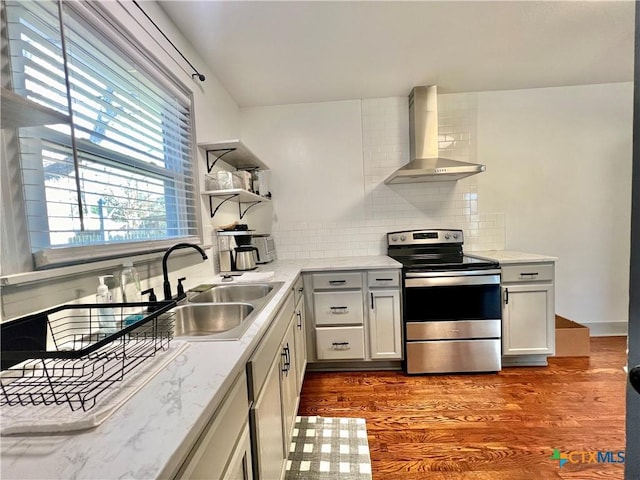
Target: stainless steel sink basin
pixel 205 319
pixel 233 293
pixel 224 312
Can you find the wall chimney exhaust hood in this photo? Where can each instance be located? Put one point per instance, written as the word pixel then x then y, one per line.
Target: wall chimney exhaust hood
pixel 425 165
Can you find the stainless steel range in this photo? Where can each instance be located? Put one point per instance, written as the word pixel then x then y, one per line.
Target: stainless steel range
pixel 452 309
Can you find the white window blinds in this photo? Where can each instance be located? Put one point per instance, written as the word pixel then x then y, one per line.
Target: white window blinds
pixel 118 178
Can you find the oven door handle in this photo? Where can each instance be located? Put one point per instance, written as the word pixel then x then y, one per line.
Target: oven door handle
pixel 452 273
pixel 413 280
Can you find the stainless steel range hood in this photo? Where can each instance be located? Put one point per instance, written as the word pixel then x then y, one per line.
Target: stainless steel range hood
pixel 425 165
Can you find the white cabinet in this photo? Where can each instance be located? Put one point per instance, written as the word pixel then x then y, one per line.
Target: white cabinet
pixel 528 314
pixel 267 428
pixel 276 369
pixel 385 316
pixel 354 315
pixel 288 386
pixel 300 330
pixel 338 315
pixel 385 324
pixel 223 449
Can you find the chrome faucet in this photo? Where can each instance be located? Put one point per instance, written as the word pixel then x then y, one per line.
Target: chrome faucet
pixel 166 285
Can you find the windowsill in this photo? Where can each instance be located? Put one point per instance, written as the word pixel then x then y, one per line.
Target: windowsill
pixel 69 271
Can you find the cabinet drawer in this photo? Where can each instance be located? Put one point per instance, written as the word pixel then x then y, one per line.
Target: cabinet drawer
pixel 338 308
pixel 384 278
pixel 530 272
pixel 337 280
pixel 340 343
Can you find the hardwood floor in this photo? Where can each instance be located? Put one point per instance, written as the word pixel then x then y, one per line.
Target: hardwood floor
pixel 485 427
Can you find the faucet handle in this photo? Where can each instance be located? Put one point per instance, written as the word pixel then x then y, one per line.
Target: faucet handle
pixel 152 294
pixel 152 299
pixel 180 287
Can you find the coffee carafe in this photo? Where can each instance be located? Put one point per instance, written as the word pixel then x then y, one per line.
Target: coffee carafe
pixel 245 259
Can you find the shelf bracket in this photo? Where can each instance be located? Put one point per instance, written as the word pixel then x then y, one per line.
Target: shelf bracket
pixel 214 211
pixel 218 157
pixel 242 213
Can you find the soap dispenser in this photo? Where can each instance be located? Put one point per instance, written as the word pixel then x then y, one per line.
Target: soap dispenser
pixel 106 317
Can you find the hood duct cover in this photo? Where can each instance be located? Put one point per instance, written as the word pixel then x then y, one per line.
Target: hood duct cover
pixel 425 165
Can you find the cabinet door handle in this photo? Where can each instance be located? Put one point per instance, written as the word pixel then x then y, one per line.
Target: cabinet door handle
pixel 283 368
pixel 371 293
pixel 506 296
pixel 337 282
pixel 528 274
pixel 339 310
pixel 340 346
pixel 299 315
pixel 301 289
pixel 287 360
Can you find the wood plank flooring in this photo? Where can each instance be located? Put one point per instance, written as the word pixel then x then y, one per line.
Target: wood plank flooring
pixel 485 427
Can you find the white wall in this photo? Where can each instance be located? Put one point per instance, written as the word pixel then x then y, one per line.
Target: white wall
pixel 561 172
pixel 329 162
pixel 557 182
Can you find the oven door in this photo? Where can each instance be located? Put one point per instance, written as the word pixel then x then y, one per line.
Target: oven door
pixel 452 295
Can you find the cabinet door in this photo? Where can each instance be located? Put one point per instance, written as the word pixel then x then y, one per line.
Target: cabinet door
pixel 268 443
pixel 385 324
pixel 240 463
pixel 221 442
pixel 300 344
pixel 528 322
pixel 288 386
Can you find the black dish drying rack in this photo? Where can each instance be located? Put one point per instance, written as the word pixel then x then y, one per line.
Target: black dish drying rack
pixel 72 353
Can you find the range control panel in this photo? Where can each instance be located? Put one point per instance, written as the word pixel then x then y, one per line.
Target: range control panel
pixel 424 237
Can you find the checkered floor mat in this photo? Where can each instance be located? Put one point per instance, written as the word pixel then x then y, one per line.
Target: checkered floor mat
pixel 329 448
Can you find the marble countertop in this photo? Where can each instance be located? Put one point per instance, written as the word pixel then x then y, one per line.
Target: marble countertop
pixel 505 257
pixel 150 435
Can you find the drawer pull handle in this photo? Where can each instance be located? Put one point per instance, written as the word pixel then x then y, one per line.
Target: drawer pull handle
pixel 337 282
pixel 528 274
pixel 384 279
pixel 340 346
pixel 339 310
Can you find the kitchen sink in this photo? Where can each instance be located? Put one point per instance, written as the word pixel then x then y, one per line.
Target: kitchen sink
pixel 233 293
pixel 223 312
pixel 205 319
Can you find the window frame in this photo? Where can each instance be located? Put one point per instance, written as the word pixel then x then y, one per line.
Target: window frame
pixel 98 17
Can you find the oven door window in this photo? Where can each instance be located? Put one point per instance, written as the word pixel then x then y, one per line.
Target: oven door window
pixel 440 303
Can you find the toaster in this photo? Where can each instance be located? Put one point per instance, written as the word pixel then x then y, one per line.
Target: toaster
pixel 266 247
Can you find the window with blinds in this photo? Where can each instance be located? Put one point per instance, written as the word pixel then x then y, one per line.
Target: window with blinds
pixel 118 177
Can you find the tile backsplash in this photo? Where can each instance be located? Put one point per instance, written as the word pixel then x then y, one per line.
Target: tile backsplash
pixel 385 147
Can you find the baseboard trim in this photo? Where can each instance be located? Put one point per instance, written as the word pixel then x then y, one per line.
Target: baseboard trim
pixel 352 366
pixel 607 329
pixel 525 361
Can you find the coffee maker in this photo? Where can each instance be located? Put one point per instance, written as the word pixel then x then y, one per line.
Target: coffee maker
pixel 235 250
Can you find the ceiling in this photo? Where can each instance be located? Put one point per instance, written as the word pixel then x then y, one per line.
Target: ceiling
pixel 271 53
